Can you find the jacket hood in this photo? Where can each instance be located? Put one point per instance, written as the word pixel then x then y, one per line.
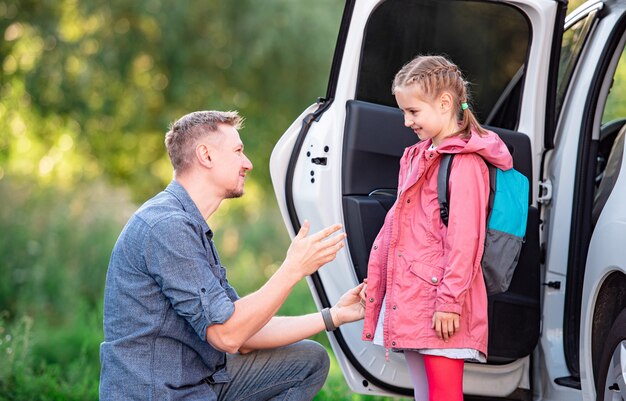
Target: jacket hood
pixel 489 146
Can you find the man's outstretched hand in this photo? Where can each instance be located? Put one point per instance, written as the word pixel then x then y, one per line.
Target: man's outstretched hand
pixel 306 254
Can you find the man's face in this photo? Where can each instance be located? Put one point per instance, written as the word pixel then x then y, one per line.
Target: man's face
pixel 230 164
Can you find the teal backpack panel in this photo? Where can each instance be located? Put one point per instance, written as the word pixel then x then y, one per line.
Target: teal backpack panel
pixel 507 218
pixel 509 212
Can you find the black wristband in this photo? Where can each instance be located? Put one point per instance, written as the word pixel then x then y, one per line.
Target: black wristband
pixel 328 320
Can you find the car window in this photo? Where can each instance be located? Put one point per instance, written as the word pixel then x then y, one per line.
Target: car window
pixel 574 38
pixel 488 41
pixel 615 108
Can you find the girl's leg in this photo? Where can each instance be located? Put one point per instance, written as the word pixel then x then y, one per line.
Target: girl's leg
pixel 415 362
pixel 445 378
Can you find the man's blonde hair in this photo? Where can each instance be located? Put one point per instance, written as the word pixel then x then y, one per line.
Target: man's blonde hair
pixel 184 133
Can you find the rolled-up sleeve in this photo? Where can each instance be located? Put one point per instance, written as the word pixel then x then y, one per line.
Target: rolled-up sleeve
pixel 178 260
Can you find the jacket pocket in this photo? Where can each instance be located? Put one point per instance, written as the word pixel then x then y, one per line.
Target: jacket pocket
pixel 430 274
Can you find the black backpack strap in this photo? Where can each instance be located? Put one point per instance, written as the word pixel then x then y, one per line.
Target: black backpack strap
pixel 492 187
pixel 443 190
pixel 443 193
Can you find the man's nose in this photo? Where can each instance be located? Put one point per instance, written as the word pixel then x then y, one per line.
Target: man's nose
pixel 247 164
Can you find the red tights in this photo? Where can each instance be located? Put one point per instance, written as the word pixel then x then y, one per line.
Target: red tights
pixel 445 378
pixel 435 378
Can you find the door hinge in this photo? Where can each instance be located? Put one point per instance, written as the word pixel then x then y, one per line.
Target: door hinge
pixel 545 192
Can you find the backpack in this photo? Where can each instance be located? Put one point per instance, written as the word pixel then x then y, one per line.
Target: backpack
pixel 507 217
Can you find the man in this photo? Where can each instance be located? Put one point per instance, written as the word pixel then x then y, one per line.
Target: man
pixel 174 328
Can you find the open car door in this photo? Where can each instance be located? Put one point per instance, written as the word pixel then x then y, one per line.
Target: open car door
pixel 339 160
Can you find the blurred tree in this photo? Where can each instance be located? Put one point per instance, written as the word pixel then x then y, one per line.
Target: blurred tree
pixel 89 88
pixel 574 4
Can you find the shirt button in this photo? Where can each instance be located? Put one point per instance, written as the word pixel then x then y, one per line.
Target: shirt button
pixel 375 247
pixel 393 343
pixel 368 335
pixel 203 290
pixel 371 299
pixel 434 280
pixel 395 307
pixel 399 255
pixel 408 201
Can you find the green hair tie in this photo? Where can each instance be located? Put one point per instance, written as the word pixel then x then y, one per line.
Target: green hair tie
pixel 464 106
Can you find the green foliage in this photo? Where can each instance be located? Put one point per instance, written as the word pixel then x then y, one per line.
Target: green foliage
pixel 89 88
pixel 574 4
pixel 55 254
pixel 57 246
pixel 24 375
pixel 615 107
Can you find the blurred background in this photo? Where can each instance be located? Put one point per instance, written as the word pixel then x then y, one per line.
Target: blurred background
pixel 87 91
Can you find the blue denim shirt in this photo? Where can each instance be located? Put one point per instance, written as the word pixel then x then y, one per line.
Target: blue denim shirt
pixel 164 286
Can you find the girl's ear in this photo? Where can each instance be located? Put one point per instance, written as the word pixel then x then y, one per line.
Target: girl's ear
pixel 203 154
pixel 446 101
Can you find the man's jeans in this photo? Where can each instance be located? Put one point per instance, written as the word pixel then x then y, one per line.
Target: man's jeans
pixel 294 372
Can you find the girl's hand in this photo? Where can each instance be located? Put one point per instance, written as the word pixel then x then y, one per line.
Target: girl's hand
pixel 446 324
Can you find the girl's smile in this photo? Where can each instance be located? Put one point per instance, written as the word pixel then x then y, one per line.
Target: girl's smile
pixel 428 119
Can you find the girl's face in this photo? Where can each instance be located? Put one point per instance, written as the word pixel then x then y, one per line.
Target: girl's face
pixel 428 119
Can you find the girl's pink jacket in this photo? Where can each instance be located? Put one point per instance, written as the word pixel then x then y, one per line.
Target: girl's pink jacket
pixel 421 265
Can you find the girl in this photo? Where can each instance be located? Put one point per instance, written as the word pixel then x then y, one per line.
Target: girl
pixel 425 292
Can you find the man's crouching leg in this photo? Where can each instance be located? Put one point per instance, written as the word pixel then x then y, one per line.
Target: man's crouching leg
pixel 294 372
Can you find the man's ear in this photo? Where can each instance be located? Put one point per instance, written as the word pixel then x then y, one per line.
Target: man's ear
pixel 204 155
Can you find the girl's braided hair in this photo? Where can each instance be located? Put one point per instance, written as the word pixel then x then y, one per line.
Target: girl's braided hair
pixel 434 75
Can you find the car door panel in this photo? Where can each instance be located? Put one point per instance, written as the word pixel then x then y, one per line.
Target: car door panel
pixel 374 139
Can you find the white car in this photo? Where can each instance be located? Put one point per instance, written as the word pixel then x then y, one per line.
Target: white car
pixel 544 84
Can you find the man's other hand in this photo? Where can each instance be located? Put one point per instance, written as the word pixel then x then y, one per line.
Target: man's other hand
pixel 349 307
pixel 306 254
